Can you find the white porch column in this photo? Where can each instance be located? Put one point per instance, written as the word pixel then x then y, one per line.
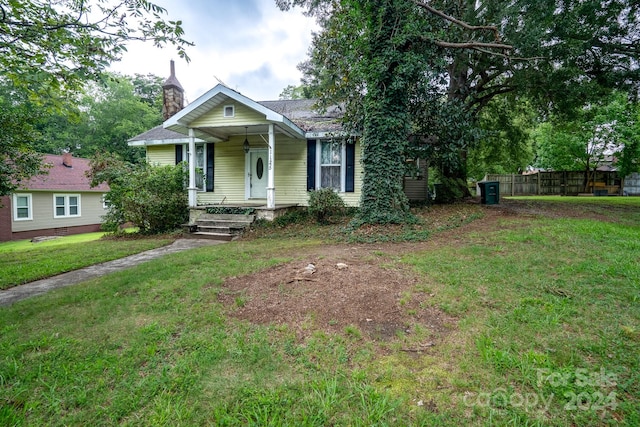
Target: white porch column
pixel 271 186
pixel 193 191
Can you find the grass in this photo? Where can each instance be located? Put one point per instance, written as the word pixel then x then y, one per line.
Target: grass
pixel 21 245
pixel 23 261
pixel 546 332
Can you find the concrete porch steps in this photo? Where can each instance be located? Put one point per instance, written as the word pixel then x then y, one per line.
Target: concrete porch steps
pixel 224 227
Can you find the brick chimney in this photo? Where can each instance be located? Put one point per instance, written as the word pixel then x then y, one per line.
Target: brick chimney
pixel 172 95
pixel 67 160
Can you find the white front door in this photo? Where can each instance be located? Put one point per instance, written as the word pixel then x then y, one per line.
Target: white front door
pixel 257 174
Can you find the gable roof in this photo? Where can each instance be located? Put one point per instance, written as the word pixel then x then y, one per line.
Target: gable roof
pixel 63 178
pixel 217 96
pixel 296 118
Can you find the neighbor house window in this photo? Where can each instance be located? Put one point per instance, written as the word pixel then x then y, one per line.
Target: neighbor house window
pixel 66 205
pixel 229 111
pixel 22 210
pixel 331 170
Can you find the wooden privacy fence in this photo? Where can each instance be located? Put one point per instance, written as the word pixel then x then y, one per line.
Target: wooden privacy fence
pixel 562 183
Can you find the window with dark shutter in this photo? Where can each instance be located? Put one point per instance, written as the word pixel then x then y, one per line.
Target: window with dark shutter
pixel 311 164
pixel 178 153
pixel 210 166
pixel 350 165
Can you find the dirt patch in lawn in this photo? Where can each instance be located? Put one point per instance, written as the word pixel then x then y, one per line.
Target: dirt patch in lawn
pixel 359 288
pixel 351 291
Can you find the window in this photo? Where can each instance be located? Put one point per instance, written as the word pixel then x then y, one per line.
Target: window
pixel 331 165
pixel 22 210
pixel 229 111
pixel 200 178
pixel 66 205
pixel 204 166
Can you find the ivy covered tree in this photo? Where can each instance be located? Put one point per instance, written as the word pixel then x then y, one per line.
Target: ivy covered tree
pixel 381 59
pixel 558 54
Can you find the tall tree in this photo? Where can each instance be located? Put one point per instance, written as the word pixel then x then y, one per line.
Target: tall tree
pixel 18 161
pixel 51 45
pixel 598 133
pixel 113 112
pixel 103 118
pixel 559 53
pixel 48 49
pixel 380 59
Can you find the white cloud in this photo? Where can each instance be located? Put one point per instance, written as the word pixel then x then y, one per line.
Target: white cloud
pixel 250 45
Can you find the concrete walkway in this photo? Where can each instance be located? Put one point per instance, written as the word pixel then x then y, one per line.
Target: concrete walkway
pixel 39 287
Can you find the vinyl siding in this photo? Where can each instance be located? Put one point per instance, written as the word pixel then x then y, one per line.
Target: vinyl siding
pixel 161 155
pixel 229 182
pixel 91 212
pixel 414 188
pixel 243 116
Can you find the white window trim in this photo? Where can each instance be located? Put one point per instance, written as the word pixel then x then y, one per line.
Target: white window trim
pixel 29 206
pixel 343 165
pixel 203 188
pixel 66 206
pixel 233 111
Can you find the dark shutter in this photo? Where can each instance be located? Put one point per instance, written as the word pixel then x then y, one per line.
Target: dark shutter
pixel 311 164
pixel 350 164
pixel 178 153
pixel 210 166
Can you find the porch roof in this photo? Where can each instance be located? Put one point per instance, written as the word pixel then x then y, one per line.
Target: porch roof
pixel 295 118
pixel 217 96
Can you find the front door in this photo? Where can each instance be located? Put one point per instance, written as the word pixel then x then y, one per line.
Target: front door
pixel 257 164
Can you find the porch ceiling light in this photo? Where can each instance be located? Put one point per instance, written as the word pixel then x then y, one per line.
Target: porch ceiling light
pixel 245 146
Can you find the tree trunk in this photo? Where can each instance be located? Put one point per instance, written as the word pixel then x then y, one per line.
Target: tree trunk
pixel 454 176
pixel 386 120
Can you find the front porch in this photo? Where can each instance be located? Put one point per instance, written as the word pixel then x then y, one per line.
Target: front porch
pixel 228 222
pixel 260 210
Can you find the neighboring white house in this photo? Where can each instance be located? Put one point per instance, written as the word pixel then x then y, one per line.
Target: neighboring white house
pixel 59 202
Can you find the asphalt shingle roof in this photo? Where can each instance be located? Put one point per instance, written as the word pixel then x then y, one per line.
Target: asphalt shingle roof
pixel 63 178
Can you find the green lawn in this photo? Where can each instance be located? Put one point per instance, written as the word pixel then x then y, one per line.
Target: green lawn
pixel 23 261
pixel 546 331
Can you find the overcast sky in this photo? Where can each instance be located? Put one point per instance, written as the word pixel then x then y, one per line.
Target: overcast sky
pixel 250 45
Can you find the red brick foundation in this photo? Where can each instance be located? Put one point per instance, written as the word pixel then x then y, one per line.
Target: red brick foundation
pixel 63 231
pixel 5 218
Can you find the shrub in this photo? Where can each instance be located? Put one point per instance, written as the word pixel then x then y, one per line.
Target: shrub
pixel 325 203
pixel 151 198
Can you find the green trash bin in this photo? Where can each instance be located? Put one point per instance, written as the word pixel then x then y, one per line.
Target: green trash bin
pixel 489 192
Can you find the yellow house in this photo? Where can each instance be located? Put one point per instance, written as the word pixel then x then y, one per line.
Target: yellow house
pixel 241 152
pixel 246 153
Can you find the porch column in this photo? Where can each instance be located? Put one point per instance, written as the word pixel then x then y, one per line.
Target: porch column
pixel 271 188
pixel 193 191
